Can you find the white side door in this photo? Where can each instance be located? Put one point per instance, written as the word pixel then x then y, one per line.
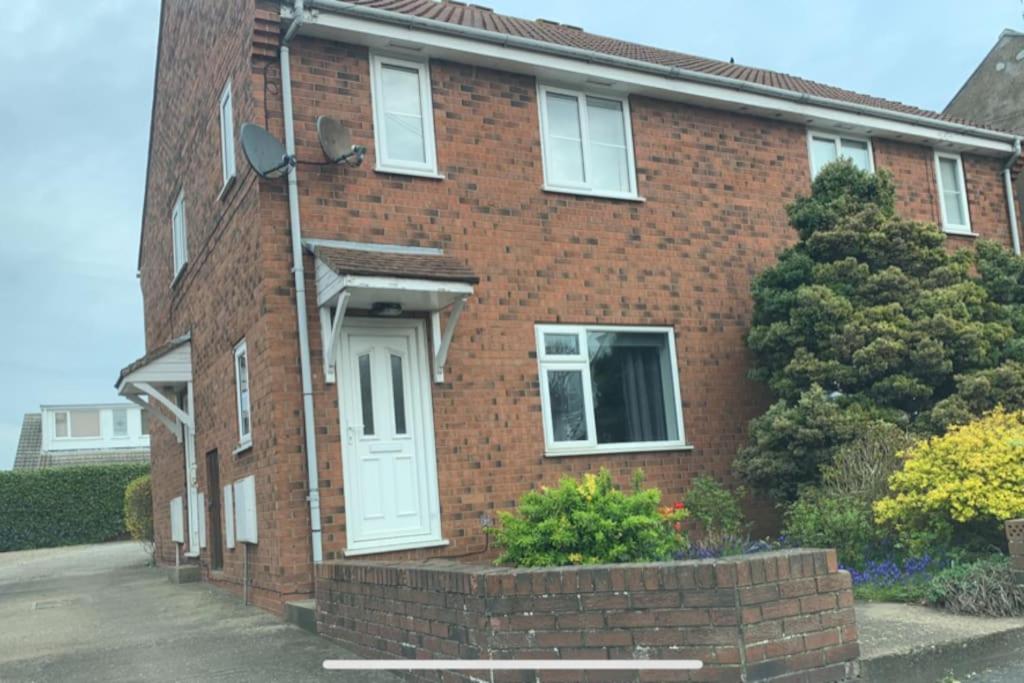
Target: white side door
pixel 390 467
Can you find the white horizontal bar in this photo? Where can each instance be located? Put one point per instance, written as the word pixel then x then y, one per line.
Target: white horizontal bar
pixel 513 664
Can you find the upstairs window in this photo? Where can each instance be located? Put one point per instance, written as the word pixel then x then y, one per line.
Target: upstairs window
pixel 227 137
pixel 826 148
pixel 609 389
pixel 242 395
pixel 179 234
pixel 403 120
pixel 76 424
pixel 949 168
pixel 120 420
pixel 587 143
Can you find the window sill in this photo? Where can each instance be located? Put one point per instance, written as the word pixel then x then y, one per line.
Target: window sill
pixel 228 184
pixel 396 547
pixel 242 448
pixel 959 233
pixel 433 175
pixel 618 449
pixel 595 195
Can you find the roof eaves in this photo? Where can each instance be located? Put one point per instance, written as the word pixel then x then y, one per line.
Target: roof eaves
pixel 588 55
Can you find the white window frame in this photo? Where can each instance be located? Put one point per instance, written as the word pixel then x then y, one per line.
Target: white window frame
pixel 113 423
pixel 837 139
pixel 383 163
pixel 581 99
pixel 581 361
pixel 67 422
pixel 71 434
pixel 179 235
pixel 227 138
pixel 948 227
pixel 244 438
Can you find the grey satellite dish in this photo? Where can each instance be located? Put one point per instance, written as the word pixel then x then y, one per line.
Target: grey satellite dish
pixel 265 154
pixel 337 142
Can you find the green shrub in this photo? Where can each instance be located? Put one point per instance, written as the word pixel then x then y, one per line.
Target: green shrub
pixel 589 522
pixel 862 467
pixel 715 508
pixel 875 313
pixel 63 506
pixel 985 587
pixel 820 520
pixel 138 509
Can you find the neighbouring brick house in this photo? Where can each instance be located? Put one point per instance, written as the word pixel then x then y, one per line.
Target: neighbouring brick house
pixel 71 435
pixel 542 267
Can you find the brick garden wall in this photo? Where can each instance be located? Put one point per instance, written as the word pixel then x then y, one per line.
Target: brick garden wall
pixel 780 616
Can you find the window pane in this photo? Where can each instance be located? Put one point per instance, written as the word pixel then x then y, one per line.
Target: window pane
pixel 562 344
pixel 608 155
pixel 403 119
pixel 632 387
pixel 568 410
pixel 954 208
pixel 949 176
pixel 398 392
pixel 857 152
pixel 144 419
pixel 366 394
pixel 244 412
pixel 120 422
pixel 85 423
pixel 823 151
pixel 607 124
pixel 60 424
pixel 564 146
pixel 610 169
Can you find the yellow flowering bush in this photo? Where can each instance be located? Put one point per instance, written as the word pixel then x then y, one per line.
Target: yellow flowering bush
pixel 958 488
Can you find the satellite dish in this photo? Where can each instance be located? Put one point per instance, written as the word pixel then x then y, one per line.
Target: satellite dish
pixel 336 141
pixel 264 153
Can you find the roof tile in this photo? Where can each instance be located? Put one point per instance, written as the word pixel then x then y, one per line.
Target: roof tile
pixel 395 264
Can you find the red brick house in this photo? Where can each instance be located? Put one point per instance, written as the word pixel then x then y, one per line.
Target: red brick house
pixel 541 267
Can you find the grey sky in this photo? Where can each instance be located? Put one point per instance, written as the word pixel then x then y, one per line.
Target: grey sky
pixel 75 94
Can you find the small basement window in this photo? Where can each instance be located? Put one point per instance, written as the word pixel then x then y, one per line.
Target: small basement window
pixel 609 389
pixel 826 148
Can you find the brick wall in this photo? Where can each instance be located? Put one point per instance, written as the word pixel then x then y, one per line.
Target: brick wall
pixel 780 616
pixel 1015 543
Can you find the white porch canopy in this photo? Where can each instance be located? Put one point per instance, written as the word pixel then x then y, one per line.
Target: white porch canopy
pixel 162 381
pixel 388 280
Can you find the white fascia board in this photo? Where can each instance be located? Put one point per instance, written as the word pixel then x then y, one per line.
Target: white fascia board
pixel 410 38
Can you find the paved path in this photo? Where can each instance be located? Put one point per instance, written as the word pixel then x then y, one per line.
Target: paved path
pixel 98 613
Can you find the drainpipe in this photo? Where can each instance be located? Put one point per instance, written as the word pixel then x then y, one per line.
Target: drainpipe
pixel 1008 186
pixel 308 415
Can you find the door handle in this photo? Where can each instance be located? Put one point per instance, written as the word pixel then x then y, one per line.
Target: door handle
pixel 351 433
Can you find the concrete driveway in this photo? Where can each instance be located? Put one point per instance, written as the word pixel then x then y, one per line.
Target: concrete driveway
pixel 98 613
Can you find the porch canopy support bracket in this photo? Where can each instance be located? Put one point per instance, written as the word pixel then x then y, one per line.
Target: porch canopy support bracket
pixel 173 426
pixel 443 341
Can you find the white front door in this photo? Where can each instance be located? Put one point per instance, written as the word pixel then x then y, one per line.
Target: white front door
pixel 390 467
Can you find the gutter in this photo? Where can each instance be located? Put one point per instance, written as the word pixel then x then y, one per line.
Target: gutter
pixel 308 416
pixel 1008 188
pixel 507 40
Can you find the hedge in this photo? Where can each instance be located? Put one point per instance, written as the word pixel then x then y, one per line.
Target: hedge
pixel 64 506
